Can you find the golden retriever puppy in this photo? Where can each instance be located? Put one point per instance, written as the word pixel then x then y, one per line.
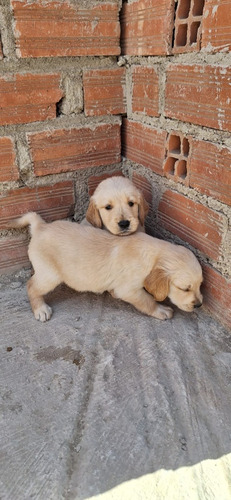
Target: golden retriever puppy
pixel 118 206
pixel 140 269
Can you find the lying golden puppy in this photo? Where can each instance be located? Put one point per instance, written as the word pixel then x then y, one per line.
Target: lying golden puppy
pixel 118 206
pixel 88 259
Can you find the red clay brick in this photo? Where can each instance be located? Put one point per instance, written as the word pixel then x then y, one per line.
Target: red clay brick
pixel 104 91
pixel 210 170
pixel 144 144
pixel 73 149
pixel 146 27
pixel 52 28
pixel 144 186
pixel 216 26
pixel 199 94
pixel 187 35
pixel 217 294
pixel 145 91
pixel 51 202
pixel 13 253
pixel 29 97
pixel 94 180
pixel 200 226
pixel 8 168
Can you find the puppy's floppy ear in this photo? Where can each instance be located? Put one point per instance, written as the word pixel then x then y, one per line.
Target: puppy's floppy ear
pixel 157 284
pixel 93 215
pixel 143 209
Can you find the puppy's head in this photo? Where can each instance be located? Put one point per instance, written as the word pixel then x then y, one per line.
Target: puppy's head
pixel 178 278
pixel 118 206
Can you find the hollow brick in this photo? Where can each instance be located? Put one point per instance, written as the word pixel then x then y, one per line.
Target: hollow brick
pixel 51 28
pixel 178 151
pixel 199 94
pixel 216 26
pixel 8 167
pixel 144 144
pixel 51 202
pixel 145 91
pixel 210 170
pixel 200 226
pixel 104 91
pixel 187 26
pixel 146 27
pixel 73 149
pixel 26 98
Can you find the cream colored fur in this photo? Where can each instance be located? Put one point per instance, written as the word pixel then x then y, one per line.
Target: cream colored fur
pixel 88 259
pixel 118 206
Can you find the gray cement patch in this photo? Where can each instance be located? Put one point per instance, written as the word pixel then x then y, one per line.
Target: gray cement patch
pixel 104 402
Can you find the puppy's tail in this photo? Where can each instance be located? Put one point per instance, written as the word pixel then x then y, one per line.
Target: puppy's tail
pixel 31 218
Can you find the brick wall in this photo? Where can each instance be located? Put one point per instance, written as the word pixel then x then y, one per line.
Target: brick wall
pixel 176 135
pixel 67 82
pixel 58 126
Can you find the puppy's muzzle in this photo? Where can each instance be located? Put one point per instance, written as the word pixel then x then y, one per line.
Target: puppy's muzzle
pixel 124 224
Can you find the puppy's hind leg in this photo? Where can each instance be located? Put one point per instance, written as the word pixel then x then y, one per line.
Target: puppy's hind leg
pixel 36 290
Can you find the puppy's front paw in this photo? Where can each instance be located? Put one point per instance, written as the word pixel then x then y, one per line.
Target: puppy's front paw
pixel 163 312
pixel 43 313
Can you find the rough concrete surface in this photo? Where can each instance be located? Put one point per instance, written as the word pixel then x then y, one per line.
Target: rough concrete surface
pixel 103 402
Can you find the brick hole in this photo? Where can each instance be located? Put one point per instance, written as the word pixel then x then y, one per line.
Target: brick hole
pixel 58 107
pixel 193 32
pixel 185 147
pixel 174 144
pixel 198 7
pixel 181 36
pixel 174 29
pixel 183 9
pixel 181 169
pixel 169 166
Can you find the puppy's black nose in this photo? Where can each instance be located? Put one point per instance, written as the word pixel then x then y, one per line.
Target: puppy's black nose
pixel 198 304
pixel 124 224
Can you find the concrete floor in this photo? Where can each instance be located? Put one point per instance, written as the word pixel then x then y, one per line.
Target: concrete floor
pixel 104 402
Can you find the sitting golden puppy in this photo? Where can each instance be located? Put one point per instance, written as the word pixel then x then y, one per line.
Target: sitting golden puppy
pixel 139 269
pixel 118 206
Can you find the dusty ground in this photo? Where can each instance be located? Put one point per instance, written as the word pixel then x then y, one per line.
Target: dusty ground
pixel 103 402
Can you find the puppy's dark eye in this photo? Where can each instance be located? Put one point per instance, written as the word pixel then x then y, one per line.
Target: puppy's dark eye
pixel 108 207
pixel 131 203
